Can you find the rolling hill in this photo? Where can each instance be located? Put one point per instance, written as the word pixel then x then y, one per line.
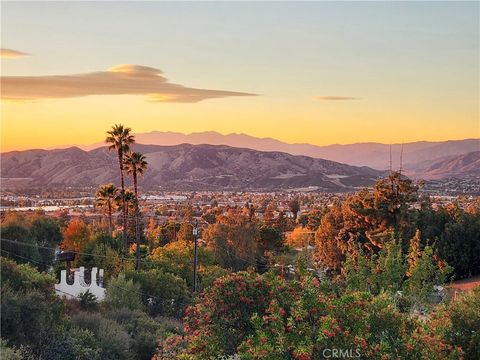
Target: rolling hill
pixel 375 155
pixel 466 166
pixel 185 167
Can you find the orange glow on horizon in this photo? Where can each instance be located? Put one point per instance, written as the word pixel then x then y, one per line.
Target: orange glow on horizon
pixel 84 121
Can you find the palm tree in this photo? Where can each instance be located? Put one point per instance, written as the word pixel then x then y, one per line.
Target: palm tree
pixel 105 198
pixel 135 164
pixel 120 139
pixel 129 201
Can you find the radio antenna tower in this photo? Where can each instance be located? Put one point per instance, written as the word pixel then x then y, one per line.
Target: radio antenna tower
pixel 390 159
pixel 401 160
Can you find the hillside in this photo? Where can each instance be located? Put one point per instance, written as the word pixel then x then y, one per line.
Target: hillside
pixel 186 167
pixel 375 155
pixel 460 166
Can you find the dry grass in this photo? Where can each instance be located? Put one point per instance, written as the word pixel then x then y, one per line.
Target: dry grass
pixel 465 284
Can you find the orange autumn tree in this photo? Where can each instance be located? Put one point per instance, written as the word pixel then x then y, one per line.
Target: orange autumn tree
pixel 76 236
pixel 300 237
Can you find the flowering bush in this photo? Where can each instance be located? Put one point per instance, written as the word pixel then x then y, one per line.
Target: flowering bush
pixel 266 317
pixel 316 324
pixel 220 320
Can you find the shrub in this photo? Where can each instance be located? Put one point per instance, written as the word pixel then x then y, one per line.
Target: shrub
pixel 316 323
pixel 123 293
pixel 113 340
pixel 162 293
pixel 88 301
pixel 28 318
pixel 25 277
pixel 464 314
pixel 142 329
pixel 12 353
pixel 220 320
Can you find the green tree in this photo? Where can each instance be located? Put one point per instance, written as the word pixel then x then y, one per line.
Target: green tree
pixel 104 252
pixel 135 164
pixel 424 273
pixel 358 272
pixel 45 232
pixel 177 258
pixel 459 242
pixel 24 277
pixel 123 293
pixel 270 239
pixel 390 267
pixel 162 293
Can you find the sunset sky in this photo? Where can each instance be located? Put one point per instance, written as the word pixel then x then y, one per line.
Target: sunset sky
pixel 321 73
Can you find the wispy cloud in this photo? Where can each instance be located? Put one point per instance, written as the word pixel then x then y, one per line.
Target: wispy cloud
pixel 118 80
pixel 12 54
pixel 334 98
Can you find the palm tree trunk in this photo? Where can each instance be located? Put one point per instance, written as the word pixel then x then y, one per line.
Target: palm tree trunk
pixel 110 217
pixel 124 207
pixel 137 221
pixel 126 212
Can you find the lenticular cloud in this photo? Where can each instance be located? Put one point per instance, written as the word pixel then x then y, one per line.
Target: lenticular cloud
pixel 118 80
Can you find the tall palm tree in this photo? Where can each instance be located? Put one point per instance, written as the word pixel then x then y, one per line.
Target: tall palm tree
pixel 135 164
pixel 120 139
pixel 105 198
pixel 128 199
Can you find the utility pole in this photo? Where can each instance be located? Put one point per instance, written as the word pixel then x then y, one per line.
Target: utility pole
pixel 137 235
pixel 195 256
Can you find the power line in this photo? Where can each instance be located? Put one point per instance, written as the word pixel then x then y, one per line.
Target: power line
pixel 228 251
pixel 89 254
pixel 106 256
pixel 71 251
pixel 116 286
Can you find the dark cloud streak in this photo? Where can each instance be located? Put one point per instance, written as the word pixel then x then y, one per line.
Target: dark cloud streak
pixel 335 98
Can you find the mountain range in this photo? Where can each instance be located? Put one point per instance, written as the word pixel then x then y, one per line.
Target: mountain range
pixel 185 167
pixel 466 166
pixel 245 163
pixel 375 155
